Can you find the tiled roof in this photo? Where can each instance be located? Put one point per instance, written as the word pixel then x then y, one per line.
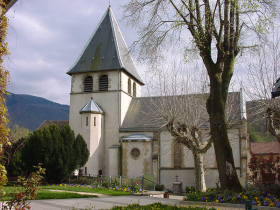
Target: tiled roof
pixel 50 122
pixel 261 148
pixel 106 50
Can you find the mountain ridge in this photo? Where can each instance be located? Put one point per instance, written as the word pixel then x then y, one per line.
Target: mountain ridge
pixel 31 111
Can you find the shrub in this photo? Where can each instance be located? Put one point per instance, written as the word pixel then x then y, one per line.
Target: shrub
pixel 82 181
pixel 159 187
pixel 114 183
pixel 190 189
pixel 265 173
pixel 20 198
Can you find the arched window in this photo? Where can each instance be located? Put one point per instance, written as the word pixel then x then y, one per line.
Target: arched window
pixel 177 155
pixel 88 84
pixel 129 86
pixel 134 89
pixel 103 83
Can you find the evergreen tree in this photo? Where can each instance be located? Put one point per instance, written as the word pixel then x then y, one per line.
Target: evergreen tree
pixel 69 140
pixel 81 150
pixel 58 151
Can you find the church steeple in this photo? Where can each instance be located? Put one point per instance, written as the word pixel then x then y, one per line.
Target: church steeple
pixel 106 50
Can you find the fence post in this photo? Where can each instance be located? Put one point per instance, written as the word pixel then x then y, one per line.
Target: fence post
pixel 120 181
pixel 143 183
pixel 110 180
pixel 101 180
pixel 131 181
pixel 154 181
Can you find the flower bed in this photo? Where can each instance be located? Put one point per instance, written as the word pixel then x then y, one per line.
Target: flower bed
pixel 124 188
pixel 257 197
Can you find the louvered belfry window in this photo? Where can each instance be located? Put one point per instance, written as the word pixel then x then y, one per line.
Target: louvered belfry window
pixel 103 83
pixel 88 84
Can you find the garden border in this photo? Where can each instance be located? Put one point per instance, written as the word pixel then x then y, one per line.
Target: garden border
pixel 229 205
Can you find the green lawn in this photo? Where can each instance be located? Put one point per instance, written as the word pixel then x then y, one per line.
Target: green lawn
pixel 45 193
pixel 89 190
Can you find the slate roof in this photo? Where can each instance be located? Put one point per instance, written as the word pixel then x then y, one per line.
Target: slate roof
pixel 149 113
pixel 136 137
pixel 263 148
pixel 50 122
pixel 276 89
pixel 91 107
pixel 106 50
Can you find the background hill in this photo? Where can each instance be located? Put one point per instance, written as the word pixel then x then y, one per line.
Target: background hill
pixel 30 111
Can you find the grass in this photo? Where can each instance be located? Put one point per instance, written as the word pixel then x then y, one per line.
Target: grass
pixel 46 194
pixel 88 189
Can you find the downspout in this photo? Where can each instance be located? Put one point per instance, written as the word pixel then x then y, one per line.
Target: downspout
pixel 159 157
pixel 119 99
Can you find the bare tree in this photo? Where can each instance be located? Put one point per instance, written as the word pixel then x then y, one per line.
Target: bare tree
pixel 17 139
pixel 262 73
pixel 180 105
pixel 214 28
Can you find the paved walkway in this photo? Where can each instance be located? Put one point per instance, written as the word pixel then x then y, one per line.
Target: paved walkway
pixel 106 202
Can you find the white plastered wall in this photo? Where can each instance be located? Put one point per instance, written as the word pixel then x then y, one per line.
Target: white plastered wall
pixel 137 166
pixel 124 85
pixel 108 102
pixel 186 174
pixel 94 140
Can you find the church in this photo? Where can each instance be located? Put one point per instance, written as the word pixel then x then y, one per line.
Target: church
pixel 122 136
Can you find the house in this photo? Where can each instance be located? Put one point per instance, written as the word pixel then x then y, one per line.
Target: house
pixel 276 89
pixel 122 130
pixel 46 123
pixel 266 150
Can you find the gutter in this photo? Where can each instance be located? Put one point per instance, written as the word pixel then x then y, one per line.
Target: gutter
pixel 119 99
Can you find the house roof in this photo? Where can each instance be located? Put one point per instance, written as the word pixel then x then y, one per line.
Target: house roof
pixel 262 148
pixel 106 50
pixel 91 107
pixel 276 89
pixel 152 113
pixel 50 122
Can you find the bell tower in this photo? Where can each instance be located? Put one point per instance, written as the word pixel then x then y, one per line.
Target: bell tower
pixel 104 80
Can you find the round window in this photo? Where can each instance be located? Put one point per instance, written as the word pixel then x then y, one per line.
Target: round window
pixel 135 152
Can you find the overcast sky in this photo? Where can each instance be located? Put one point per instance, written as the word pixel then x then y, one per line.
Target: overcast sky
pixel 45 39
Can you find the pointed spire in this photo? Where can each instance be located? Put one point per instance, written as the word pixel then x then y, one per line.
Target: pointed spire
pixel 106 50
pixel 91 107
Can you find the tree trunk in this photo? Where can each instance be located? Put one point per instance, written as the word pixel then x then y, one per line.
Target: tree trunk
pixel 199 172
pixel 224 156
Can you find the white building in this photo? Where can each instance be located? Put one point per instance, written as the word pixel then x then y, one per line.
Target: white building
pixel 107 109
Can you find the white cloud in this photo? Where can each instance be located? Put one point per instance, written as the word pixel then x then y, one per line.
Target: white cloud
pixel 45 39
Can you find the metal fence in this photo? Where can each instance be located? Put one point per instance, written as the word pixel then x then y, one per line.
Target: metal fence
pixel 146 181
